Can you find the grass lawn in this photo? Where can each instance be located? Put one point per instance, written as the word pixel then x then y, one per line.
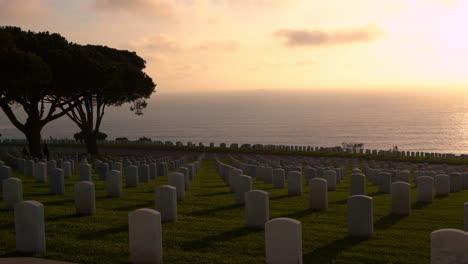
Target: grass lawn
pixel 210 227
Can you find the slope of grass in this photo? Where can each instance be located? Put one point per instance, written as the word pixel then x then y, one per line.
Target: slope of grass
pixel 210 227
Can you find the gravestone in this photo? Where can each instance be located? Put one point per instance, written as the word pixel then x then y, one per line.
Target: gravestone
pixel 145 236
pixel 29 227
pixel 278 178
pixel 131 177
pixel 455 182
pixel 12 190
pixel 294 183
pixel 360 216
pixel 330 176
pixel 67 170
pixel 358 184
pixel 103 170
pixel 244 184
pixel 268 175
pixel 5 173
pixel 85 198
pixel 153 170
pixel 51 164
pixel 465 206
pixel 85 172
pixel 185 172
pixel 464 176
pixel 401 198
pixel 318 194
pixel 257 208
pixel 117 166
pixel 57 182
pixel 283 241
pixel 177 180
pixel 30 168
pixel 425 189
pixel 114 184
pixel 385 182
pixel 449 246
pixel 442 185
pixel 143 173
pixel 165 198
pixel 41 172
pixel 233 177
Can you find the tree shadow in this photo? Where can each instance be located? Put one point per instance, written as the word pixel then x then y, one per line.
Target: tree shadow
pixel 377 193
pixel 388 221
pixel 62 217
pixel 419 205
pixel 134 206
pixel 207 242
pixel 330 251
pixel 343 201
pixel 215 210
pixel 59 202
pixel 302 213
pixel 17 254
pixel 216 194
pixel 101 234
pixel 280 197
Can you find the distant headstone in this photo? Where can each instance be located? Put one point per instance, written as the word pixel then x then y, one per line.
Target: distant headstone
pixel 358 184
pixel 425 189
pixel 257 208
pixel 318 194
pixel 165 197
pixel 12 190
pixel 442 185
pixel 278 178
pixel 57 182
pixel 85 172
pixel 244 184
pixel 114 184
pixel 85 198
pixel 41 172
pixel 294 183
pixel 177 180
pixel 401 198
pixel 131 176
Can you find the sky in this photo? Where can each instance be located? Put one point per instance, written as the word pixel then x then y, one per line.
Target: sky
pixel 418 46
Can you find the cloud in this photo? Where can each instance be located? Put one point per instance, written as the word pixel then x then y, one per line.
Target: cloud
pixel 295 38
pixel 260 3
pixel 223 45
pixel 157 43
pixel 24 11
pixel 152 8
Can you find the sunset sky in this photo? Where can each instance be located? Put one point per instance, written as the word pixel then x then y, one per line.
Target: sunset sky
pixel 221 45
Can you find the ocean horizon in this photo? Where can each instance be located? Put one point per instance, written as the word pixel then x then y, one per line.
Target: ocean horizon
pixel 379 121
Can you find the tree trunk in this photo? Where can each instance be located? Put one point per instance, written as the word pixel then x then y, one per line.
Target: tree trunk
pixel 33 135
pixel 91 143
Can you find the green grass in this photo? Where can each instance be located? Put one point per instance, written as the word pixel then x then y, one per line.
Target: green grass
pixel 210 227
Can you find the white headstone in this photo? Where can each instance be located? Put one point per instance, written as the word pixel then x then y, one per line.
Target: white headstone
pixel 143 173
pixel 257 208
pixel 425 189
pixel 5 173
pixel 442 184
pixel 385 182
pixel 331 177
pixel 244 184
pixel 360 216
pixel 294 183
pixel 358 184
pixel 278 178
pixel 401 198
pixel 177 180
pixel 449 246
pixel 283 241
pixel 165 198
pixel 12 189
pixel 114 184
pixel 85 198
pixel 67 170
pixel 318 194
pixel 145 234
pixel 57 182
pixel 85 172
pixel 131 176
pixel 29 227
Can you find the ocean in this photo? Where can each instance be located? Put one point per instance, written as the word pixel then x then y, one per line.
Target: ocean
pixel 413 122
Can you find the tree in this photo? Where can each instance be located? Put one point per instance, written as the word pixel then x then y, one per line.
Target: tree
pixel 352 147
pixel 81 137
pixel 112 77
pixel 35 75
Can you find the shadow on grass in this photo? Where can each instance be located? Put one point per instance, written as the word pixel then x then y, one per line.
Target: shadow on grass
pixel 216 194
pixel 214 186
pixel 62 217
pixel 327 253
pixel 101 234
pixel 135 206
pixel 377 194
pixel 17 254
pixel 215 210
pixel 207 242
pixel 284 196
pixel 388 221
pixel 419 205
pixel 59 202
pixel 303 213
pixel 343 201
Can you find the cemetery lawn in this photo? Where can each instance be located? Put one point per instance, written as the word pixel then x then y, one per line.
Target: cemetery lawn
pixel 210 227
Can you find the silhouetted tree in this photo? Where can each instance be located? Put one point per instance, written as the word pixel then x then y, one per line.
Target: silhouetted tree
pixel 35 74
pixel 112 77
